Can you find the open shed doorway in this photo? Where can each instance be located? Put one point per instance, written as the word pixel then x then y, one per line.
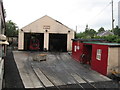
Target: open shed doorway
pixel 87 51
pixel 58 42
pixel 29 36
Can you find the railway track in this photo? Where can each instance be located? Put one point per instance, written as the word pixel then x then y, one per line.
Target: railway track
pixel 88 84
pixel 58 72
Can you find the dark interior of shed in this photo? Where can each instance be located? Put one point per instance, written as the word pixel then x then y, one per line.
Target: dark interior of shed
pixel 88 54
pixel 29 36
pixel 58 42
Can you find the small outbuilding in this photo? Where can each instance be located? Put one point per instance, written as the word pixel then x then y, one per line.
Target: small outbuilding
pixel 48 34
pixel 101 56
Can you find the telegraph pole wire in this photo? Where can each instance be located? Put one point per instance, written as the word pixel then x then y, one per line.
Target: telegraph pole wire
pixel 99 12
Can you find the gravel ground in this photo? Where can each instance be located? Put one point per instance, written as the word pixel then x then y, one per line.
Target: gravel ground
pixel 11 75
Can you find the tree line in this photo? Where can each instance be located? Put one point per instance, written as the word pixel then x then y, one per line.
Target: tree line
pixel 93 34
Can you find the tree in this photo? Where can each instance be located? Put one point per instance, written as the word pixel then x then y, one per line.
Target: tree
pixel 11 29
pixel 111 38
pixel 117 31
pixel 80 35
pixel 90 33
pixel 101 29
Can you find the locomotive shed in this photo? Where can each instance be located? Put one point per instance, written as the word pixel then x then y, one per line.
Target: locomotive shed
pixel 51 35
pixel 58 71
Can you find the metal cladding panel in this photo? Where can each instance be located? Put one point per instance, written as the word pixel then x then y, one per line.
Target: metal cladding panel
pixel 77 49
pixel 100 65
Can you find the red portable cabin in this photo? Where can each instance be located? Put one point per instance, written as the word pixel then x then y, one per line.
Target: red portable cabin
pixel 102 57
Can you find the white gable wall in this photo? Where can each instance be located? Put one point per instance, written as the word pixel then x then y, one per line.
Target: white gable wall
pixel 55 27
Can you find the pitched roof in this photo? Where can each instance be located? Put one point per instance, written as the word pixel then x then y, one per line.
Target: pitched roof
pixel 105 33
pixel 51 19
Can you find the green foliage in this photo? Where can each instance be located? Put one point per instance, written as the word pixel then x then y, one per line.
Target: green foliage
pixel 117 31
pixel 87 34
pixel 91 33
pixel 101 29
pixel 80 35
pixel 111 38
pixel 11 29
pixel 117 40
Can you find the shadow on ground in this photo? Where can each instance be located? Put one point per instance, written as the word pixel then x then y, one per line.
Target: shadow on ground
pixel 12 78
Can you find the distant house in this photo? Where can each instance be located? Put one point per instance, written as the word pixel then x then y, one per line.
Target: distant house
pixel 105 33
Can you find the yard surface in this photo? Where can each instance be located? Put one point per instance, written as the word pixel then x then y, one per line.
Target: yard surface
pixel 11 74
pixel 59 71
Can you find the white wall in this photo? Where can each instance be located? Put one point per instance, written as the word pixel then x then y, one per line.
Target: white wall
pixel 113 59
pixel 21 40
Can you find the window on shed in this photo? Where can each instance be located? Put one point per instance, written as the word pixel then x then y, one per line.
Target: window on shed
pixel 75 48
pixel 99 52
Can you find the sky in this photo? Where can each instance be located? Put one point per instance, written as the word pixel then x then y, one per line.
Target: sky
pixel 72 13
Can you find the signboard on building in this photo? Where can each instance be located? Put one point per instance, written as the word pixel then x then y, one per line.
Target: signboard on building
pixel 46 27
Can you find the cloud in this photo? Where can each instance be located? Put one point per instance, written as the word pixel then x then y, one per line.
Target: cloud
pixel 69 12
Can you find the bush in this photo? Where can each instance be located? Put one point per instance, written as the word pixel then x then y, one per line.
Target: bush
pixel 117 40
pixel 110 38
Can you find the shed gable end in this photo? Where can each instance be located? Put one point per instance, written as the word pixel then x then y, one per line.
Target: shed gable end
pixel 46 23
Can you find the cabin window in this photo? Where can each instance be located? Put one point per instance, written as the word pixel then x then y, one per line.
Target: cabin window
pixel 99 52
pixel 78 47
pixel 75 48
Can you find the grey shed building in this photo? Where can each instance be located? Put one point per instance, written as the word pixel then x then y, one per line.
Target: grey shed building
pixel 52 35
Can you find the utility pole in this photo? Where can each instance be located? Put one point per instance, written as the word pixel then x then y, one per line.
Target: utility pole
pixel 76 29
pixel 112 17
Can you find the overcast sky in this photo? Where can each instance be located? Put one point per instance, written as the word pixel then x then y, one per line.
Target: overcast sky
pixel 72 13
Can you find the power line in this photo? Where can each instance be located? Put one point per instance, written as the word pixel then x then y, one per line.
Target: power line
pixel 100 12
